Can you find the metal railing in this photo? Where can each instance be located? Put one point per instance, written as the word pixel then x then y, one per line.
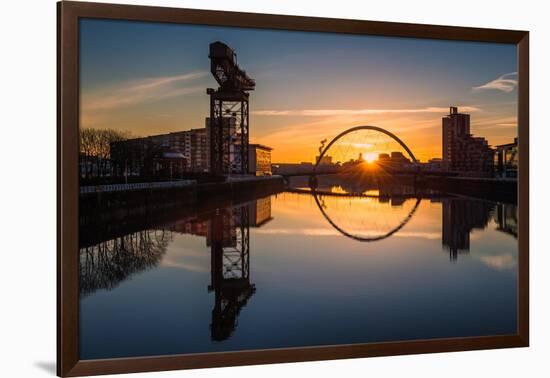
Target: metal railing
pixel 136 186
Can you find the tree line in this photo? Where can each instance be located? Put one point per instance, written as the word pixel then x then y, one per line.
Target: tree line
pixel 95 150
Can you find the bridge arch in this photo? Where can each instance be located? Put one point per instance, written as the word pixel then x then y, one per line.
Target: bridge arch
pixel 365 127
pixel 360 238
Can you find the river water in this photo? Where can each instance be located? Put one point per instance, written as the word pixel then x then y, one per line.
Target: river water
pixel 295 269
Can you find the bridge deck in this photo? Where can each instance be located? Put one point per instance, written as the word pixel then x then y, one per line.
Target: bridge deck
pixel 362 195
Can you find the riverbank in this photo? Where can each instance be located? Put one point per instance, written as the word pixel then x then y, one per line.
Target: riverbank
pixel 492 189
pixel 500 190
pixel 106 213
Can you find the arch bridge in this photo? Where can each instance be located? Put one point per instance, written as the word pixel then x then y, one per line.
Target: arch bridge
pixel 319 169
pixel 359 128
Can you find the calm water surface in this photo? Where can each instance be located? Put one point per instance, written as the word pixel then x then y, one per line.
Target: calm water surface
pixel 295 270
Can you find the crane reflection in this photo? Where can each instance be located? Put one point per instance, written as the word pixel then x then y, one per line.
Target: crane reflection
pixel 362 214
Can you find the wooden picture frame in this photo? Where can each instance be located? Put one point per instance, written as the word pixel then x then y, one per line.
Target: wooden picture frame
pixel 69 13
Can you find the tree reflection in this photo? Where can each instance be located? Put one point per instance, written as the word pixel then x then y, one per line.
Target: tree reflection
pixel 105 265
pixel 226 232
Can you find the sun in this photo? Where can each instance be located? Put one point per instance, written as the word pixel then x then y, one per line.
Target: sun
pixel 370 157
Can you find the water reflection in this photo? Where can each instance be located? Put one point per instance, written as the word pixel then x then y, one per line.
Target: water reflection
pixel 105 265
pixel 507 219
pixel 361 214
pixel 460 217
pixel 230 272
pixel 357 212
pixel 226 232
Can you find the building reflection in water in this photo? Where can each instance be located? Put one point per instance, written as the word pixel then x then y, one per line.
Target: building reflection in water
pixel 226 231
pixel 229 241
pixel 461 216
pixel 507 219
pixel 227 235
pixel 230 269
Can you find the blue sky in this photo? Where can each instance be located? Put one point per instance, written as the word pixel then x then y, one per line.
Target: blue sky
pixel 151 78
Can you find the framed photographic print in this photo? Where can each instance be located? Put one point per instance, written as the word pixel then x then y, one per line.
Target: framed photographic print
pixel 240 188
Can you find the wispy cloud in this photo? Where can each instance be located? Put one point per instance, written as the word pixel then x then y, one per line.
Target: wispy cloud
pixel 140 91
pixel 360 145
pixel 184 266
pixel 505 83
pixel 496 123
pixel 500 262
pixel 294 141
pixel 352 112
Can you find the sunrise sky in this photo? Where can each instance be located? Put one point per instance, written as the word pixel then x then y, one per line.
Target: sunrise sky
pixel 150 78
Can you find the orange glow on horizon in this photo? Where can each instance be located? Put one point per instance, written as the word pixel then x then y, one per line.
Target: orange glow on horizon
pixel 370 157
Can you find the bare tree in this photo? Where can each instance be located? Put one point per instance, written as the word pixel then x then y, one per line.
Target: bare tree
pixel 95 149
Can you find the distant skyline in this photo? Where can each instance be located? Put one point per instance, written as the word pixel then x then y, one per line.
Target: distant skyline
pixel 151 78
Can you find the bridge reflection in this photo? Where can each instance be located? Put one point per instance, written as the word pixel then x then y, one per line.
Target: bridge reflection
pixel 377 231
pixel 376 198
pixel 367 209
pixel 460 215
pixel 362 211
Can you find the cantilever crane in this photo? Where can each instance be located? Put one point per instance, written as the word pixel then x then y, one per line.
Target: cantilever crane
pixel 230 268
pixel 228 112
pixel 226 71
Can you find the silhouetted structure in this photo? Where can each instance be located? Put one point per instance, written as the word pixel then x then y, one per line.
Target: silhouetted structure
pixel 325 160
pixel 229 101
pixel 180 152
pixel 394 160
pixel 93 166
pixel 192 226
pixel 459 218
pixel 397 156
pixel 462 152
pixel 230 270
pixel 303 168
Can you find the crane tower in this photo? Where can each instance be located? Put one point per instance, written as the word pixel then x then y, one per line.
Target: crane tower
pixel 229 121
